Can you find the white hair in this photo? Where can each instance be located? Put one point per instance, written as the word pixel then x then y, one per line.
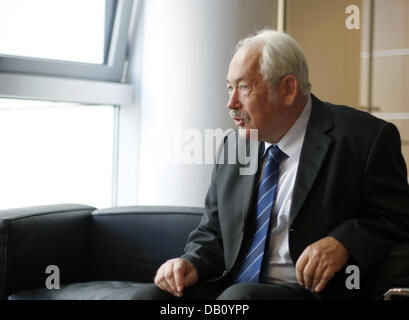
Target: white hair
pixel 281 55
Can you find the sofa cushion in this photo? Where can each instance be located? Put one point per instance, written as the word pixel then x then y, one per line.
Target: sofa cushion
pixel 95 290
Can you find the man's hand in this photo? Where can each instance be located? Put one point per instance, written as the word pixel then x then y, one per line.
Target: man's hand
pixel 319 262
pixel 176 274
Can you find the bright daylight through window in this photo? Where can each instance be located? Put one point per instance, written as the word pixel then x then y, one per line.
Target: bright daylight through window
pixel 70 30
pixel 55 153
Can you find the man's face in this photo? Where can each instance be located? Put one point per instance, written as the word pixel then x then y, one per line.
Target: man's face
pixel 251 104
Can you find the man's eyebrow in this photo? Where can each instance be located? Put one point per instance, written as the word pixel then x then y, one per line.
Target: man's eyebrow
pixel 237 80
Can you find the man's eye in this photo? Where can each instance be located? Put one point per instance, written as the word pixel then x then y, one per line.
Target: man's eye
pixel 244 88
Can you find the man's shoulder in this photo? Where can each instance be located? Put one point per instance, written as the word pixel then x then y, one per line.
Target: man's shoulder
pixel 350 119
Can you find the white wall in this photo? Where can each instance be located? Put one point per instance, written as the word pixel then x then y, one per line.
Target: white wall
pixel 179 72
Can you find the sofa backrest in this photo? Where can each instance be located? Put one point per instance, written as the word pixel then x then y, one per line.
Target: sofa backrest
pixel 130 243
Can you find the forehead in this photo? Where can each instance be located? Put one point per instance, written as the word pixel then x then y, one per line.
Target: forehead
pixel 244 64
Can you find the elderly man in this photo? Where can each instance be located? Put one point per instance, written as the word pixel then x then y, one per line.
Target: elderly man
pixel 331 190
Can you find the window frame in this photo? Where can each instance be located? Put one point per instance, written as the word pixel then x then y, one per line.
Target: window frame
pixel 115 53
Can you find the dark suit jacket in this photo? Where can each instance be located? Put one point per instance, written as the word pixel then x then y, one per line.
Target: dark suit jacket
pixel 351 184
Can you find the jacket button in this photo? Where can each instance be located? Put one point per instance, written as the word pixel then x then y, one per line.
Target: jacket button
pixel 291 230
pixel 225 273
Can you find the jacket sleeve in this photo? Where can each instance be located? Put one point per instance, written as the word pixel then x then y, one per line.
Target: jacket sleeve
pixel 385 220
pixel 204 248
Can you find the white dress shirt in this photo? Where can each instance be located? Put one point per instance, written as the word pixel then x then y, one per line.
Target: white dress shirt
pixel 280 268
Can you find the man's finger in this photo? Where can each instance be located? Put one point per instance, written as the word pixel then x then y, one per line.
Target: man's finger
pixel 300 265
pixel 326 277
pixel 158 277
pixel 319 272
pixel 309 272
pixel 179 274
pixel 170 279
pixel 160 280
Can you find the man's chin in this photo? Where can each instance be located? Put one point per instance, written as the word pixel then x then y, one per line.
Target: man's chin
pixel 247 133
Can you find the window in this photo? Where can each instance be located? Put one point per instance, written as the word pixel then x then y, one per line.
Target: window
pixel 69 38
pixel 62 67
pixel 55 153
pixel 45 29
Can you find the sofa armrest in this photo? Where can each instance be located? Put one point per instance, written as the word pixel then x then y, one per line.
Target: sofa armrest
pixel 33 238
pixel 402 293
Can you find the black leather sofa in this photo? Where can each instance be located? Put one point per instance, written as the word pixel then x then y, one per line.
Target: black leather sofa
pixel 100 254
pixel 110 253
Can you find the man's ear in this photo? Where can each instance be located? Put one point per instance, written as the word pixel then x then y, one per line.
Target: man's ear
pixel 288 89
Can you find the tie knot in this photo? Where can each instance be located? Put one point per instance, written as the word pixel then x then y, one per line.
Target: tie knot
pixel 275 153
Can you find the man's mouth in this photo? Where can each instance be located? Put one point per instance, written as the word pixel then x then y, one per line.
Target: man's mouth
pixel 239 122
pixel 239 118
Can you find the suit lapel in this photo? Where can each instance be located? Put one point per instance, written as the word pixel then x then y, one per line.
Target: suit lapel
pixel 248 185
pixel 315 147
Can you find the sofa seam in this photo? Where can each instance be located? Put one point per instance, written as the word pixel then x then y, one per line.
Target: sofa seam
pixel 148 213
pixel 46 213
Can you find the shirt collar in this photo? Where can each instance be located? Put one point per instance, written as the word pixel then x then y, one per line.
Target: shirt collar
pixel 292 141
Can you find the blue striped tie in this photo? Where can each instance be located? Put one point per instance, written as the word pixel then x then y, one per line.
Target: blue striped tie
pixel 251 265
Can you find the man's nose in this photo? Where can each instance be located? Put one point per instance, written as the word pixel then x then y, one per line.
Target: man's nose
pixel 234 101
